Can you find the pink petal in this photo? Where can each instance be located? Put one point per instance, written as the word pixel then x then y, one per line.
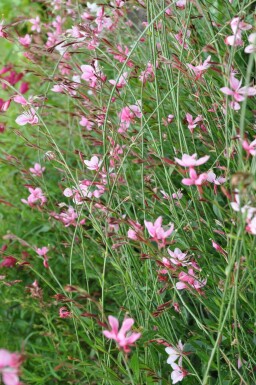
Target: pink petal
pixel 5 358
pixel 20 99
pixel 250 48
pixel 202 160
pixel 113 322
pixel 249 91
pixel 181 286
pixel 126 326
pixel 188 182
pixel 132 338
pixel 150 228
pixel 226 91
pixel 158 222
pixel 10 378
pixel 109 334
pixel 169 232
pixel 22 120
pixel 235 83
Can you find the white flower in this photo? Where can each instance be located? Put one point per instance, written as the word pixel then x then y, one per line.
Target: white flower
pixel 175 353
pixel 93 164
pixel 178 373
pixel 93 7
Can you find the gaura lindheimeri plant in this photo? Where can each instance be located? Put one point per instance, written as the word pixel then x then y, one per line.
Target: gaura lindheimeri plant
pixel 114 96
pixel 124 341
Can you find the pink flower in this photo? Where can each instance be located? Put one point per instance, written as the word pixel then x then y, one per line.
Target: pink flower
pixel 193 123
pixel 128 115
pixel 194 179
pixel 59 88
pixel 9 367
pixel 217 181
pixel 189 280
pixel 251 226
pixel 102 21
pixel 157 233
pixel 35 24
pixel 237 27
pixel 191 161
pixel 181 4
pixel 201 68
pixel 25 40
pixel 118 3
pixel 148 74
pixel 84 191
pixel 251 47
pixel 28 117
pixel 89 75
pixel 93 164
pixel 178 373
pixel 88 72
pixel 250 148
pixel 122 54
pixel 181 38
pixel 43 253
pixel 170 118
pixel 68 218
pixel 84 122
pixel 178 195
pixel 35 196
pixel 122 81
pixel 64 312
pixel 37 170
pixel 132 235
pixel 212 178
pixel 237 92
pixel 177 257
pixel 123 340
pixel 135 233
